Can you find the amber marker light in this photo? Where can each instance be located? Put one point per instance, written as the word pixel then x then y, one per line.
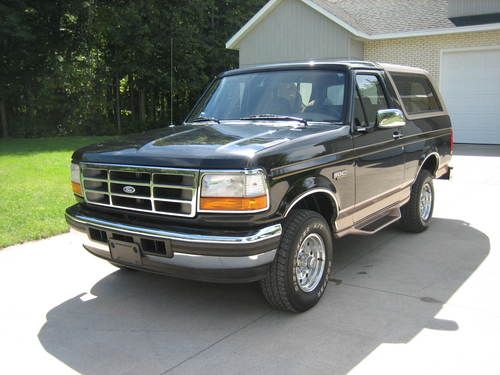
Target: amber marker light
pixel 234 192
pixel 234 204
pixel 77 188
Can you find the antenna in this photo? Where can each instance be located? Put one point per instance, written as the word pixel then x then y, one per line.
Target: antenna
pixel 171 81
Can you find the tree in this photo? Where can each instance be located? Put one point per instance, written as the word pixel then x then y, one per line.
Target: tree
pixel 103 66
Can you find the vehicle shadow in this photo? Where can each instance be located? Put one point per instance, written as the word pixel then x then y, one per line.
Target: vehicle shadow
pixel 476 150
pixel 386 289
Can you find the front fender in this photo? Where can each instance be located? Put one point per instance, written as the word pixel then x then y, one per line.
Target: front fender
pixel 303 186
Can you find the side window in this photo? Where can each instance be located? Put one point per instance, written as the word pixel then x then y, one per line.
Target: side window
pixel 305 90
pixel 359 115
pixel 416 92
pixel 371 95
pixel 335 94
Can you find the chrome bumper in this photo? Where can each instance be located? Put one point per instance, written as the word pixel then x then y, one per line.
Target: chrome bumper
pixel 80 223
pixel 260 235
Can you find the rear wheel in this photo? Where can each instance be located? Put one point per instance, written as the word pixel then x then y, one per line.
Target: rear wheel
pixel 299 273
pixel 416 215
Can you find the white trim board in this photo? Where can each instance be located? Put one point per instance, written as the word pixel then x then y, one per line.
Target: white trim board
pixel 272 4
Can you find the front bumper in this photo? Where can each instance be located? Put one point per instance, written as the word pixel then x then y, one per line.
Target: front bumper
pixel 236 256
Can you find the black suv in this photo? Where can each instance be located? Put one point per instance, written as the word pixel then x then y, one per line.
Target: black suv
pixel 272 164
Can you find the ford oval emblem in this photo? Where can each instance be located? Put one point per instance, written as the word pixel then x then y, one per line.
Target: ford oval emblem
pixel 129 189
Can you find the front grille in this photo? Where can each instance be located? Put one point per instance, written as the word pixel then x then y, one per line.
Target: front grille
pixel 159 190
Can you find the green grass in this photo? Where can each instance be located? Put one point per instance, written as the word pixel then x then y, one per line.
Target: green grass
pixel 35 186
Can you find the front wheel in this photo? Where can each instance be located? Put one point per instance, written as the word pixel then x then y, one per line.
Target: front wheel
pixel 299 273
pixel 416 215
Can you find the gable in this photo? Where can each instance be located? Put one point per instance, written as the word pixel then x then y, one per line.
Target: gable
pixel 281 36
pixel 374 19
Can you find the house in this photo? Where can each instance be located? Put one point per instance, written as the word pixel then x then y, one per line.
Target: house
pixel 457 41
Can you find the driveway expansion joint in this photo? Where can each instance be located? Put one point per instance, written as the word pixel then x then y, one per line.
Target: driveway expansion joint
pixel 216 342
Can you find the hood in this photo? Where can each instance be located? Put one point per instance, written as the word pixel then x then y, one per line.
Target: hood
pixel 226 145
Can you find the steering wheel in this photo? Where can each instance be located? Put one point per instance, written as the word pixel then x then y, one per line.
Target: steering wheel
pixel 327 111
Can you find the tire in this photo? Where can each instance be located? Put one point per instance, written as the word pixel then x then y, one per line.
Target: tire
pixel 286 286
pixel 413 219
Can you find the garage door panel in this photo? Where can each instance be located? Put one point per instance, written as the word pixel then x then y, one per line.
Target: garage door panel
pixel 480 104
pixel 474 132
pixel 470 83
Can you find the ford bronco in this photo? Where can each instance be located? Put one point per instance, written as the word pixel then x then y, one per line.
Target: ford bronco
pixel 270 167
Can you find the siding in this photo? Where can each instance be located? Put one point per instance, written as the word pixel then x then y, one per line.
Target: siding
pixel 293 32
pixel 425 52
pixel 459 8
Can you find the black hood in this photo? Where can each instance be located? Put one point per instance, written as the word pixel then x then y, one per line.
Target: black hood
pixel 227 145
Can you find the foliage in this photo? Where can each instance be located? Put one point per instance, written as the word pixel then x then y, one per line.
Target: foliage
pixel 35 186
pixel 103 66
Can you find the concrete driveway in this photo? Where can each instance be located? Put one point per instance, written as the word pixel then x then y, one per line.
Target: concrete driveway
pixel 398 304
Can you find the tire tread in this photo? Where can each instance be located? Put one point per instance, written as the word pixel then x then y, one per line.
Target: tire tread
pixel 410 216
pixel 273 286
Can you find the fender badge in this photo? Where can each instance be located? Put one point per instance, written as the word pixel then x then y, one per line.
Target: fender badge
pixel 339 174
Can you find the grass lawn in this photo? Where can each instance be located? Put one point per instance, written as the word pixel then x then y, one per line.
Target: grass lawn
pixel 35 186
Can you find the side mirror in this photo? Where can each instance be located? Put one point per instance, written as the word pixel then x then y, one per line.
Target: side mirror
pixel 390 118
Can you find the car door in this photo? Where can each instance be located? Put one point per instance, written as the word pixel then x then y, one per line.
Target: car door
pixel 379 156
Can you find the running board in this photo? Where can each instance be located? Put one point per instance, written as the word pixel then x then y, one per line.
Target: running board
pixel 379 223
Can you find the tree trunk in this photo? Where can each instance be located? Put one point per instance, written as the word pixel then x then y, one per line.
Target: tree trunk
pixel 142 105
pixel 132 97
pixel 118 108
pixel 3 118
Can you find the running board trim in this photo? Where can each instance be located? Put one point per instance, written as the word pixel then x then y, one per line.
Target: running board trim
pixel 373 226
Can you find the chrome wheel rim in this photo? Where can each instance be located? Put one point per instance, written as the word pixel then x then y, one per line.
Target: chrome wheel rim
pixel 425 201
pixel 310 262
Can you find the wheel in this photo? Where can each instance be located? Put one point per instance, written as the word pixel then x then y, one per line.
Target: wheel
pixel 416 215
pixel 121 267
pixel 299 273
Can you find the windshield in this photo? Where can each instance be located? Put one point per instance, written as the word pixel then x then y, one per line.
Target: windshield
pixel 313 95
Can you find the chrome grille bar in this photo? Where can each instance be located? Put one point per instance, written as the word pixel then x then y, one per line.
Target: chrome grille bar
pixel 175 195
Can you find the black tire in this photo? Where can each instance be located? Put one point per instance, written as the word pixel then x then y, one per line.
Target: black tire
pixel 411 218
pixel 281 287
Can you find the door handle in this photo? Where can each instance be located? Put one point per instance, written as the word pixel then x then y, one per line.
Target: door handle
pixel 397 134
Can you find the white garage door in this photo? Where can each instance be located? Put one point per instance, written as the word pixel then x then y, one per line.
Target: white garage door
pixel 470 83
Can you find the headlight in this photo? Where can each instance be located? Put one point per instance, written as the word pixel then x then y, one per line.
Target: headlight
pixel 234 191
pixel 75 179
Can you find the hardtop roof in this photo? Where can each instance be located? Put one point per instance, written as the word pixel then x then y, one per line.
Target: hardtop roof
pixel 340 65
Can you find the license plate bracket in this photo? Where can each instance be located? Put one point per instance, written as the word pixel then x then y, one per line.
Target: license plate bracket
pixel 125 252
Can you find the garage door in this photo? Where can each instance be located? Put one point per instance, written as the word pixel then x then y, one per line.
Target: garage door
pixel 470 83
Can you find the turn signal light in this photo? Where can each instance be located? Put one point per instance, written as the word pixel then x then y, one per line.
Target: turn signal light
pixel 77 188
pixel 233 203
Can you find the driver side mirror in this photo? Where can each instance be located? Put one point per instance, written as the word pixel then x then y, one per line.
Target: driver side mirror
pixel 390 118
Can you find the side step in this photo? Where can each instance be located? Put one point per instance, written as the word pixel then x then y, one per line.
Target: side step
pixel 380 222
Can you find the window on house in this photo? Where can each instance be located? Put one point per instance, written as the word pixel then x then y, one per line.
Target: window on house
pixel 416 92
pixel 305 90
pixel 335 94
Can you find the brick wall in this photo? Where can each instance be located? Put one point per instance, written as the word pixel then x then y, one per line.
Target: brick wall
pixel 424 52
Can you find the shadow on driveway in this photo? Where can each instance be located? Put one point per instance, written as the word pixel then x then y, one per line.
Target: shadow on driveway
pixel 476 150
pixel 386 289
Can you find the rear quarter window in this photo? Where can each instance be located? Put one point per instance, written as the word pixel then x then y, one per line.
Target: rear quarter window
pixel 417 93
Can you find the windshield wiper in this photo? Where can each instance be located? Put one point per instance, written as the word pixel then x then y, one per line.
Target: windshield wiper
pixel 276 117
pixel 205 118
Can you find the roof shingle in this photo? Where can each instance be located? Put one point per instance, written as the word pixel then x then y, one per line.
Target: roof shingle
pixel 390 16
